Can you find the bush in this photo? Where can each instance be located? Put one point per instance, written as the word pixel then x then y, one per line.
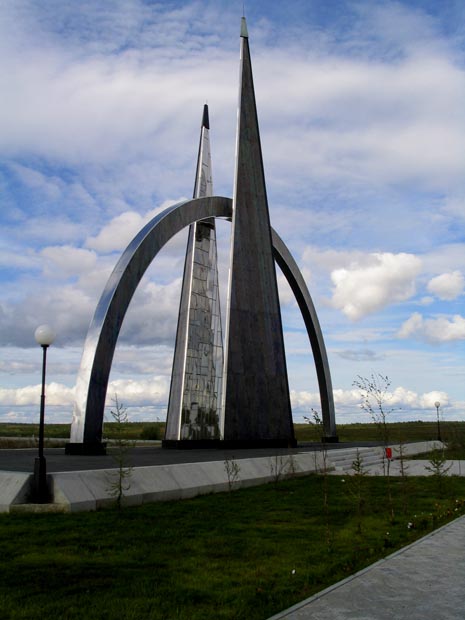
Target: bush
pixel 152 431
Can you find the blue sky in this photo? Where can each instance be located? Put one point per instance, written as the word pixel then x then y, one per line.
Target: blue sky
pixel 362 117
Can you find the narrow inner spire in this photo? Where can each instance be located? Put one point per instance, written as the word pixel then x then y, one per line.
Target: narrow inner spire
pixel 244 32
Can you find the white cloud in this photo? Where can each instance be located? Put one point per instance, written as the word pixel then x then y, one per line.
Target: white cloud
pixel 286 296
pixel 398 399
pixel 441 329
pixel 447 285
pixel 363 289
pixel 359 118
pixel 50 187
pixel 57 394
pixel 426 301
pixel 330 259
pixel 139 392
pixel 68 260
pixel 373 119
pixel 16 367
pixel 130 392
pixel 117 234
pixel 14 258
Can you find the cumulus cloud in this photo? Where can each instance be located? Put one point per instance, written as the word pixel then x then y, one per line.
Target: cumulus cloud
pixel 57 394
pixel 447 286
pixel 357 125
pixel 67 260
pixel 400 399
pixel 149 393
pixel 139 392
pixel 129 391
pixel 378 119
pixel 363 289
pixel 117 234
pixel 437 330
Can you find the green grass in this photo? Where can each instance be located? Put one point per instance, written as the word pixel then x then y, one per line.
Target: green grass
pixel 398 431
pixel 451 432
pixel 248 554
pixel 132 430
pixel 452 453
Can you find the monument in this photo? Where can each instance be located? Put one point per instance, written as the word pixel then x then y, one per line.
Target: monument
pixel 257 406
pixel 240 399
pixel 194 407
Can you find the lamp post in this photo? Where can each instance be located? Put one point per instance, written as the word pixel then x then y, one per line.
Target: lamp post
pixel 44 336
pixel 437 404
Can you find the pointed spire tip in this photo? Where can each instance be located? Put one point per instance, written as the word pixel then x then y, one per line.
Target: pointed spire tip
pixel 205 119
pixel 244 32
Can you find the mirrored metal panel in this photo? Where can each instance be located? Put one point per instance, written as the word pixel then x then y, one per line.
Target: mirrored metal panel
pixel 194 408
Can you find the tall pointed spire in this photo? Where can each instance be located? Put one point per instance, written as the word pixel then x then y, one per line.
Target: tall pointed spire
pixel 256 397
pixel 194 408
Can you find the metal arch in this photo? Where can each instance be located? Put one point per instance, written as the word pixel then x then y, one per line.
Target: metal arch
pixel 295 279
pixel 99 347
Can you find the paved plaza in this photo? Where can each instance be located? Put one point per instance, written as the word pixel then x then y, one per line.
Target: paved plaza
pixel 424 581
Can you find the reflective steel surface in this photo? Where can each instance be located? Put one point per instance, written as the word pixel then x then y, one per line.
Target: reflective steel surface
pixel 103 333
pixel 297 283
pixel 194 407
pixel 92 381
pixel 256 397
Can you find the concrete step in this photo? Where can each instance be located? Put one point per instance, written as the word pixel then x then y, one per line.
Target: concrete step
pixel 342 460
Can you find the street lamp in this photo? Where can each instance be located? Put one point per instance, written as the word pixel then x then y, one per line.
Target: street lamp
pixel 44 336
pixel 437 404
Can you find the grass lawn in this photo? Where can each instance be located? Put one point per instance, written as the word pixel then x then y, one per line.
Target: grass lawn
pixel 453 433
pixel 243 555
pixel 398 431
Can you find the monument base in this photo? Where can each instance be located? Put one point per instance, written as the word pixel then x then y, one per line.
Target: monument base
pixel 332 439
pixel 227 444
pixel 95 448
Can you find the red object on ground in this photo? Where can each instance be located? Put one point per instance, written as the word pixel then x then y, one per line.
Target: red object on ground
pixel 389 453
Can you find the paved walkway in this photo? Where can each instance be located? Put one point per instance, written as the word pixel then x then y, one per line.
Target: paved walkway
pixel 23 459
pixel 424 581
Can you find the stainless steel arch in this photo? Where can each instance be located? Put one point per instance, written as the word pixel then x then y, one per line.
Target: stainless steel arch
pixel 293 275
pixel 99 347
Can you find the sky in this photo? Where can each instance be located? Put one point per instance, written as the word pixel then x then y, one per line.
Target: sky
pixel 361 107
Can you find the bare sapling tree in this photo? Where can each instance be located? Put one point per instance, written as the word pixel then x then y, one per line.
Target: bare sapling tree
pixel 405 481
pixel 318 422
pixel 356 488
pixel 232 469
pixel 375 397
pixel 120 482
pixel 281 465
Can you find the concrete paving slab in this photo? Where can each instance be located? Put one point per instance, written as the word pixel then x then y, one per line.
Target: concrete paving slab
pixel 57 461
pixel 14 487
pixel 192 473
pixel 82 490
pixel 424 581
